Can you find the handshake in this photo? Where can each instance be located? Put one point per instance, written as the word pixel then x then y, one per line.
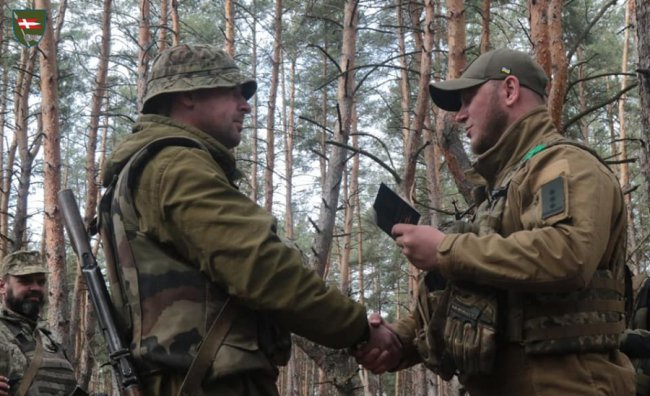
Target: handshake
pixel 383 350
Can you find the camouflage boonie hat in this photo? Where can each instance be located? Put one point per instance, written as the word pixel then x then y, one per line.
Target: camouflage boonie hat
pixel 23 263
pixel 188 67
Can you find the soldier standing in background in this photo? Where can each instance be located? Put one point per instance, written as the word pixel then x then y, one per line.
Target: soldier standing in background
pixel 197 264
pixel 33 362
pixel 534 300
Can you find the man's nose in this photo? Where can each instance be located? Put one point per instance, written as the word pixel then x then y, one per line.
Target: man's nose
pixel 245 106
pixel 461 115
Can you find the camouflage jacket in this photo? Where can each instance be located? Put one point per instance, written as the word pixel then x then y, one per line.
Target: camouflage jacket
pixel 189 206
pixel 17 347
pixel 544 260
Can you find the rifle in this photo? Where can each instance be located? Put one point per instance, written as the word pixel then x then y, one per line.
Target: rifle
pixel 120 356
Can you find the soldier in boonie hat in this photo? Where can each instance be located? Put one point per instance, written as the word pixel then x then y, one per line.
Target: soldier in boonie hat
pixel 23 263
pixel 493 65
pixel 190 67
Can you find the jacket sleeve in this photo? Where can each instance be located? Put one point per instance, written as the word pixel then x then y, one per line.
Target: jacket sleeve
pixel 234 242
pixel 548 250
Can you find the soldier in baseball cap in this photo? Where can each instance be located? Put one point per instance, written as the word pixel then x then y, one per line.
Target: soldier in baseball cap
pixel 23 263
pixel 493 65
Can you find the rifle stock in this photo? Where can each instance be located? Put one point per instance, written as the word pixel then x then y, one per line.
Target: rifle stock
pixel 119 355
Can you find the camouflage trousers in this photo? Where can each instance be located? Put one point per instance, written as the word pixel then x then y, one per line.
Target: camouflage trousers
pixel 244 384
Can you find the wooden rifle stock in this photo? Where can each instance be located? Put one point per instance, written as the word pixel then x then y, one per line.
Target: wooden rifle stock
pixel 119 355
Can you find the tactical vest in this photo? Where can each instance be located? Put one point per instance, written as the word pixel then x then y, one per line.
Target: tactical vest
pixel 55 375
pixel 589 320
pixel 640 325
pixel 167 304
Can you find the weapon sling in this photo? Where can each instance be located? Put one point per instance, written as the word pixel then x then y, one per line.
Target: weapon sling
pixel 34 365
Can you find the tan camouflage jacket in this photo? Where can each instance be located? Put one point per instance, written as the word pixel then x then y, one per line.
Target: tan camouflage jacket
pixel 187 202
pixel 550 255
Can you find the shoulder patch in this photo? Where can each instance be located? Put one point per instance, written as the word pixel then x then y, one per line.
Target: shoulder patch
pixel 553 197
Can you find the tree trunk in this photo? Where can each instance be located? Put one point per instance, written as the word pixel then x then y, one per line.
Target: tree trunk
pixel 58 315
pixel 559 64
pixel 162 29
pixel 176 26
pixel 25 155
pixel 289 142
pixel 447 129
pixel 82 353
pixel 485 26
pixel 254 160
pixel 144 43
pixel 270 121
pixel 540 34
pixel 229 46
pixel 339 366
pixel 421 103
pixel 643 72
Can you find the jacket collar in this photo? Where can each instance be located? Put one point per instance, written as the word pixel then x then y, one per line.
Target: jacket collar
pixel 529 131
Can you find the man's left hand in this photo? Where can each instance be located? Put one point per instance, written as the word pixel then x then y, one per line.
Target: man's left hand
pixel 419 243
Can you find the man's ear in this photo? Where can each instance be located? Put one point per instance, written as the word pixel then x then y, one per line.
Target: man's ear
pixel 185 99
pixel 512 90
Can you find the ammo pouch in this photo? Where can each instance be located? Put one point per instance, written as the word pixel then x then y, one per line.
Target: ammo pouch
pixel 470 329
pixel 428 340
pixel 274 340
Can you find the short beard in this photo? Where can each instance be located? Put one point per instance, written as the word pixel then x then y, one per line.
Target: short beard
pixel 495 126
pixel 25 307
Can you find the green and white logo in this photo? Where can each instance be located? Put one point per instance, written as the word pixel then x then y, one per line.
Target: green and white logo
pixel 29 26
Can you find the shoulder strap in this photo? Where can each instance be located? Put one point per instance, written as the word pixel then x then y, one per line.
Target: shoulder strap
pixel 208 350
pixel 34 365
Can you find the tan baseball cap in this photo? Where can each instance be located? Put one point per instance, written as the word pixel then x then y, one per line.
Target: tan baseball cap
pixel 188 67
pixel 493 65
pixel 23 262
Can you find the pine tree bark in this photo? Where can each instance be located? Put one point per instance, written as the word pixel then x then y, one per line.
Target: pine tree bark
pixel 270 121
pixel 643 72
pixel 485 26
pixel 539 34
pixel 176 26
pixel 559 63
pixel 144 44
pixel 288 152
pixel 255 150
pixel 58 315
pixel 446 128
pixel 229 46
pixel 80 300
pixel 26 150
pixel 162 29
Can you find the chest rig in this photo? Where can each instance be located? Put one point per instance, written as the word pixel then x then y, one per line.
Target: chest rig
pixel 588 320
pixel 48 370
pixel 477 319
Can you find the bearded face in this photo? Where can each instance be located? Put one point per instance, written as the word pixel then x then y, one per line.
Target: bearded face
pixel 25 294
pixel 29 305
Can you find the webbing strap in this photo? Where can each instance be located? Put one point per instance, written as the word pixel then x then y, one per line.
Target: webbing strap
pixel 208 349
pixel 34 365
pixel 571 307
pixel 574 330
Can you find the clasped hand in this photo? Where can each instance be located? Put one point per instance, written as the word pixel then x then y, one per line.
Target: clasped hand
pixel 383 351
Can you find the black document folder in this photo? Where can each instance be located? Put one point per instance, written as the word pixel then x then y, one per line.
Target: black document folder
pixel 391 209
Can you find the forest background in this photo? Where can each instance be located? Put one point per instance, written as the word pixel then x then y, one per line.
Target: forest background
pixel 342 106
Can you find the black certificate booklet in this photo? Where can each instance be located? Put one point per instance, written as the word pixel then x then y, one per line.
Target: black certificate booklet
pixel 391 209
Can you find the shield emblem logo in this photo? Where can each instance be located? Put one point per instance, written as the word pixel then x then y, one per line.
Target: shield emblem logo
pixel 29 26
